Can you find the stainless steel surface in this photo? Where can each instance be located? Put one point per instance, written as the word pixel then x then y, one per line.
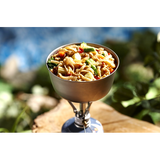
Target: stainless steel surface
pixel 82 117
pixel 82 108
pixel 83 92
pixel 74 108
pixel 88 107
pixel 83 121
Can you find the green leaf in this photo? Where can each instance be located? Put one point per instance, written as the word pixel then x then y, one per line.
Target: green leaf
pixel 141 88
pixel 51 65
pixel 5 87
pixel 141 114
pixel 18 119
pixel 149 60
pixel 147 118
pixel 123 94
pixel 155 104
pixel 155 117
pixel 152 104
pixel 136 110
pixel 119 107
pixel 131 110
pixel 146 104
pixel 156 46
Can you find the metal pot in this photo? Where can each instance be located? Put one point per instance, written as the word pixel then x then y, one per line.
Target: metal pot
pixel 85 91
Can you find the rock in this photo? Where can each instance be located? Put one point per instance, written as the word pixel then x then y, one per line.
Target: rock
pixel 10 68
pixel 10 72
pixel 36 102
pixel 111 120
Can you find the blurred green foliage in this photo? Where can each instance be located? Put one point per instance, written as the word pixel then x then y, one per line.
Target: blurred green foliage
pixel 135 92
pixel 15 115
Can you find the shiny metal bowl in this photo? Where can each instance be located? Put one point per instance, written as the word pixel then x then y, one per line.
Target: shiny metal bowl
pixel 85 91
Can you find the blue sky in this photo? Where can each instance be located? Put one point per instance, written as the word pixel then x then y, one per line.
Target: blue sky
pixel 31 45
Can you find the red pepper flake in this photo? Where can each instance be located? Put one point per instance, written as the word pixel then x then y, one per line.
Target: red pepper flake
pixel 96 77
pixel 80 50
pixel 111 70
pixel 55 70
pixel 103 64
pixel 108 53
pixel 97 50
pixel 69 74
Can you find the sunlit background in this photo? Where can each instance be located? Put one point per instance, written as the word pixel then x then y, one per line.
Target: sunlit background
pixel 25 88
pixel 30 46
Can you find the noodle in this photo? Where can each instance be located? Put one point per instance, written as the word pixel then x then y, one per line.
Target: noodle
pixel 81 63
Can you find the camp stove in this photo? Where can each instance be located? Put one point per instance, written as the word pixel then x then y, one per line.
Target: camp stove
pixel 82 122
pixel 84 93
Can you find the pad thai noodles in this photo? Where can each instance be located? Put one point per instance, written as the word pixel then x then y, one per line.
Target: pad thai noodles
pixel 81 63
